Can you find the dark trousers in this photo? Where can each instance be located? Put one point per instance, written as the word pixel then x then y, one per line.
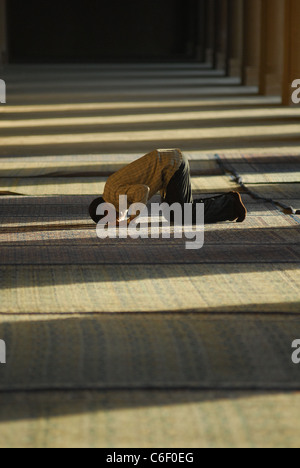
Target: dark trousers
pixel 179 190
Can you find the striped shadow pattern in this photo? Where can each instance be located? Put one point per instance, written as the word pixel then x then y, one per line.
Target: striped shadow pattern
pixel 140 351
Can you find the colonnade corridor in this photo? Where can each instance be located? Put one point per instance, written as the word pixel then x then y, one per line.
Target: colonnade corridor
pixel 140 342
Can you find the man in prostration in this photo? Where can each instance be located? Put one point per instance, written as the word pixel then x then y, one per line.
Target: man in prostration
pixel 166 171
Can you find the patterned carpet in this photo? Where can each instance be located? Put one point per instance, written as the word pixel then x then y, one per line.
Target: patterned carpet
pixel 276 178
pixel 90 165
pixel 154 288
pixel 150 351
pixel 155 419
pixel 141 342
pixel 53 262
pixel 92 185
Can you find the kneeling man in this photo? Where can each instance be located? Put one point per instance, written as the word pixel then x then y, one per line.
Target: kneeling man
pixel 168 172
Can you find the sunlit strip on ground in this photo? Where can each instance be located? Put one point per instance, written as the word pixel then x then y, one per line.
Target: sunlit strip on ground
pixel 153 118
pixel 87 106
pixel 162 135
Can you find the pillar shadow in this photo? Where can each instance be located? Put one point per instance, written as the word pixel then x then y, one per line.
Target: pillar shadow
pixel 170 359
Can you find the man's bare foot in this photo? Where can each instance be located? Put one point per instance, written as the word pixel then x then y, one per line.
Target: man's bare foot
pixel 241 211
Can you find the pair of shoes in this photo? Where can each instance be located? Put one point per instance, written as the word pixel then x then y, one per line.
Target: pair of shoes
pixel 239 209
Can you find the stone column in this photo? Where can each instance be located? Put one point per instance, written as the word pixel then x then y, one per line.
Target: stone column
pixel 235 38
pixel 210 31
pixel 291 52
pixel 272 33
pixel 3 38
pixel 221 34
pixel 201 31
pixel 191 6
pixel 252 42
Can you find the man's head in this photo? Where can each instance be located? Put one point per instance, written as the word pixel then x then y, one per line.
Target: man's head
pixel 93 209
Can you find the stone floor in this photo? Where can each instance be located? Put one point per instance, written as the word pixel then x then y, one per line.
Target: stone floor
pixel 142 343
